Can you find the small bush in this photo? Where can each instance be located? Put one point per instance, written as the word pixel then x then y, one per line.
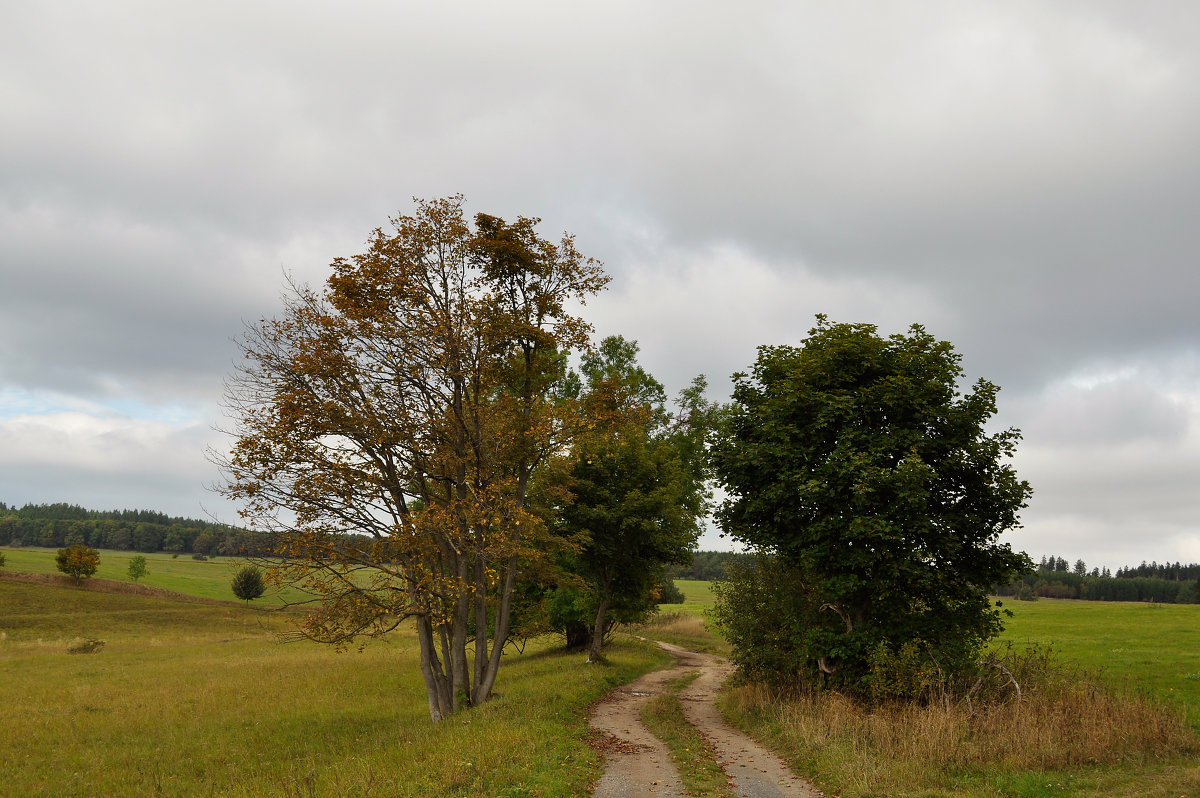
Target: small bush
pixel 1 559
pixel 85 645
pixel 77 562
pixel 199 556
pixel 248 584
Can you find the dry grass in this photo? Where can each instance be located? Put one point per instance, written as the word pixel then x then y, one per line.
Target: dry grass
pixel 677 623
pixel 683 629
pixel 902 748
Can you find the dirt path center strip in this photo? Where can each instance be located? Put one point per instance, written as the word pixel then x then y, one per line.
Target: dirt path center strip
pixel 640 765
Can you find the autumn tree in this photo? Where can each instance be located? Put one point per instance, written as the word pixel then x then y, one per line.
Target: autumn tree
pixel 77 562
pixel 856 462
pixel 388 428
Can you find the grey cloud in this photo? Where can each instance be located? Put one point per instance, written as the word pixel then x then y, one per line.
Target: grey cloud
pixel 1104 416
pixel 1020 177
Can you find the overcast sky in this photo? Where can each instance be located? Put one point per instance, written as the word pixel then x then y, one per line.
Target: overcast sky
pixel 1023 178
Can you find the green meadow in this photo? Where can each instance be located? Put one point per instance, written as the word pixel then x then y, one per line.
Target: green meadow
pixel 1151 648
pixel 201 698
pixel 201 578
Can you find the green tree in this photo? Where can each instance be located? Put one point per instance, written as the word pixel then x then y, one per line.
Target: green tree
pixel 137 568
pixel 855 459
pixel 389 427
pixel 77 562
pixel 637 485
pixel 248 583
pixel 205 543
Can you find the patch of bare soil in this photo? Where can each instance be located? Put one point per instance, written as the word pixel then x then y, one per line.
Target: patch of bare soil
pixel 640 765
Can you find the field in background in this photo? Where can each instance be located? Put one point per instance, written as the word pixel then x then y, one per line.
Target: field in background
pixel 686 624
pixel 202 578
pixel 1154 648
pixel 189 698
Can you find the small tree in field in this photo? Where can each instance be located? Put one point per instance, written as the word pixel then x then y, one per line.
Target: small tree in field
pixel 137 568
pixel 77 562
pixel 248 584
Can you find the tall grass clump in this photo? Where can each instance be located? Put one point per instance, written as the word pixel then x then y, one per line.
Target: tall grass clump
pixel 682 629
pixel 1024 712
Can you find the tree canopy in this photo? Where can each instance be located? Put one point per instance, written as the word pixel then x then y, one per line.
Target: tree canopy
pixel 857 462
pixel 77 561
pixel 247 583
pixel 637 485
pixel 388 427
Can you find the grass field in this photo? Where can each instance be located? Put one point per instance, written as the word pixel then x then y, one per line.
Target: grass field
pixel 190 698
pixel 202 578
pixel 1154 648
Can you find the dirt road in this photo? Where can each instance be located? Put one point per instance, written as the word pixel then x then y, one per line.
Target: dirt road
pixel 639 765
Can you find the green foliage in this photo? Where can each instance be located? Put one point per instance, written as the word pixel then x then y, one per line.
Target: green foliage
pixel 77 562
pixel 900 673
pixel 248 584
pixel 137 568
pixel 707 566
pixel 637 486
pixel 669 593
pixel 768 612
pixel 856 460
pixel 2 560
pixel 56 525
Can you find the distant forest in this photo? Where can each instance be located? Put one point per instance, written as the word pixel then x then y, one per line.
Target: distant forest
pixel 1165 583
pixel 1055 577
pixel 58 525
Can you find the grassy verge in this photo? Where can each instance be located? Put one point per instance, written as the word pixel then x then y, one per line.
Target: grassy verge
pixel 1111 718
pixel 694 758
pixel 200 699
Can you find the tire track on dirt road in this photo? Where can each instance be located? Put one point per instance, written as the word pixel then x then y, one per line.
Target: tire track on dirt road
pixel 640 765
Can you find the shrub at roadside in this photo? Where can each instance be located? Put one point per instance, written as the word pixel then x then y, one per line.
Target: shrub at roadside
pixel 77 562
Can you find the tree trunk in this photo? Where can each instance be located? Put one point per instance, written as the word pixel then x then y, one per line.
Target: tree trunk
pixel 594 654
pixel 578 635
pixel 483 688
pixel 436 688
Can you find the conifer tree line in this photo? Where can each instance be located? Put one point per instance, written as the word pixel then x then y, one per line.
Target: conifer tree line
pixel 1055 577
pixel 61 524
